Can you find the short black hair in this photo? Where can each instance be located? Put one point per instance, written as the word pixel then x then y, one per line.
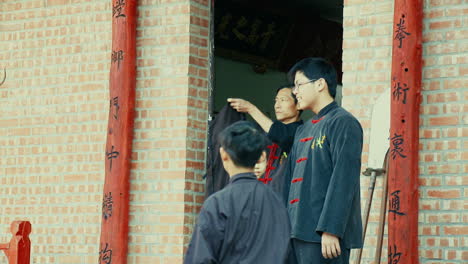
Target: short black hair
pixel 244 143
pixel 289 86
pixel 316 68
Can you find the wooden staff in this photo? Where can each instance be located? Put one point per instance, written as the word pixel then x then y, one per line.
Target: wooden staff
pixel 373 173
pixel 383 212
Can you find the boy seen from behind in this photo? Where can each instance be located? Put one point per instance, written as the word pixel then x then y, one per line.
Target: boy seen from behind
pixel 246 222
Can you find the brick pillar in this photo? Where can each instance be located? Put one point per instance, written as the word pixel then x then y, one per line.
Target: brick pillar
pixel 443 159
pixel 170 128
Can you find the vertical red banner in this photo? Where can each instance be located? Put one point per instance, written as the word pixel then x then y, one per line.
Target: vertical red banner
pixel 404 133
pixel 115 205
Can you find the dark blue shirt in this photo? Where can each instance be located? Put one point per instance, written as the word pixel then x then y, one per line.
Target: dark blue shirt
pixel 324 192
pixel 246 222
pixel 283 134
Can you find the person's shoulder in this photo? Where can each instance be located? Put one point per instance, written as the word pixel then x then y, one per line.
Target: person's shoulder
pixel 341 114
pixel 216 198
pixel 301 125
pixel 233 191
pixel 295 124
pixel 245 187
pixel 226 193
pixel 342 120
pixel 264 190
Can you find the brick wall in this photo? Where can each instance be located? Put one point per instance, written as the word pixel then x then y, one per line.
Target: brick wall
pixel 170 128
pixel 53 119
pixel 443 217
pixel 444 148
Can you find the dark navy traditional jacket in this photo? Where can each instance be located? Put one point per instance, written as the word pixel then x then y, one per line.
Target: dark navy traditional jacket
pixel 246 222
pixel 324 193
pixel 282 136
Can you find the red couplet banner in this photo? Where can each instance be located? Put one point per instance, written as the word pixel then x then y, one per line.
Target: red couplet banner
pixel 404 132
pixel 115 204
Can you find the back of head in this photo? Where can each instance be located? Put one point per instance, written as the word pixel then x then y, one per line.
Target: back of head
pixel 243 143
pixel 314 69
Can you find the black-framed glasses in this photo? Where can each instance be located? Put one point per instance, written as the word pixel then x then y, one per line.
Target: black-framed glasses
pixel 296 86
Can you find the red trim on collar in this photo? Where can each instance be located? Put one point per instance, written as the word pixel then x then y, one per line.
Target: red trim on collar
pixel 318 120
pixel 301 160
pixel 306 139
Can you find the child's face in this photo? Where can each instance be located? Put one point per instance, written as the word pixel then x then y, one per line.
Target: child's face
pixel 260 167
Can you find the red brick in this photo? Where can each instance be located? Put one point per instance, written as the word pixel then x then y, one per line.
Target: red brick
pixel 379 19
pixel 364 32
pixel 455 83
pixel 431 85
pixel 441 25
pixel 444 121
pixel 430 109
pixel 453 108
pixel 431 254
pixel 444 2
pixel 444 194
pixel 430 157
pixel 353 44
pixel 455 35
pixel 429 205
pixel 443 97
pixel 441 49
pixel 57 2
pixel 463 71
pixel 456 11
pixel 456 230
pixel 437 13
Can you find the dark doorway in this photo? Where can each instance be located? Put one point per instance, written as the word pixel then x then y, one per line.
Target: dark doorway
pixel 257 41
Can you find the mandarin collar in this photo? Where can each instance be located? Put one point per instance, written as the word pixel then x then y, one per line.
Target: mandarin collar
pixel 245 175
pixel 326 109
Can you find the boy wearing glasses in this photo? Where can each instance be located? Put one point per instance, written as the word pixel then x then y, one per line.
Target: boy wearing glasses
pixel 325 160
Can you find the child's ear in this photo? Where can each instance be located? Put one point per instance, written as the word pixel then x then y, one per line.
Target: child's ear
pixel 223 153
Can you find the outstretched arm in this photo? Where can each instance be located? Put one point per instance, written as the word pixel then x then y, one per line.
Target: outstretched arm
pixel 244 106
